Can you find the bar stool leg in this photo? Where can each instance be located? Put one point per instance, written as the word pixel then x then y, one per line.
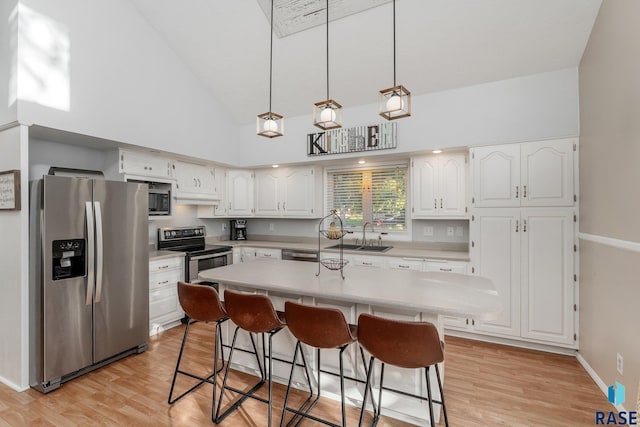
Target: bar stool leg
pixel 367 390
pixel 270 404
pixel 373 401
pixel 344 409
pixel 444 408
pixel 426 370
pixel 175 373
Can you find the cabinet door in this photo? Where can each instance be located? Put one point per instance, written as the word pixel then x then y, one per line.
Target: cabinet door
pixel 248 254
pixel 240 192
pixel 495 254
pixel 220 183
pixel 141 164
pixel 298 192
pixel 547 274
pixel 547 173
pixel 496 176
pixel 425 185
pixel 267 202
pixel 452 181
pixel 404 264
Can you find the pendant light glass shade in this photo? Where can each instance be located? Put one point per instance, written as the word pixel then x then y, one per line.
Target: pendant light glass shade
pixel 395 102
pixel 327 114
pixel 270 124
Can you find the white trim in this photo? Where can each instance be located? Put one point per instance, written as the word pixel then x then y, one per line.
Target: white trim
pixel 513 342
pixel 594 376
pixel 12 385
pixel 9 125
pixel 609 241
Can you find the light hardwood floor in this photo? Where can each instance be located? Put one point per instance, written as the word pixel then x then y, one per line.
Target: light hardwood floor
pixel 486 385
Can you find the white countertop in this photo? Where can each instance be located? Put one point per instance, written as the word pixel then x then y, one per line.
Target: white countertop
pixel 430 292
pixel 413 251
pixel 161 254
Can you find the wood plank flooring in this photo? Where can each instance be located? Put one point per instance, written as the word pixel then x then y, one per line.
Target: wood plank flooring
pixel 486 385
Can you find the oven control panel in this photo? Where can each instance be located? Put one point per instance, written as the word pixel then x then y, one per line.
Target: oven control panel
pixel 177 233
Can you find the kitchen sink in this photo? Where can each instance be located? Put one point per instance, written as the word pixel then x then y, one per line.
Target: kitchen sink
pixel 352 247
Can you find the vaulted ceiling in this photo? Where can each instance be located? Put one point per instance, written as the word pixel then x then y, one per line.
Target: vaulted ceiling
pixel 441 44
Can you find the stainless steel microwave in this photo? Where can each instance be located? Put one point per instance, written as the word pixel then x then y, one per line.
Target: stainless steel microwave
pixel 159 200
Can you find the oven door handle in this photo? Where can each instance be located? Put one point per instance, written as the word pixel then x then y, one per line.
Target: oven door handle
pixel 216 255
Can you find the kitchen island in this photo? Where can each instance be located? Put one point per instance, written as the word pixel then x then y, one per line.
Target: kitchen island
pixel 397 294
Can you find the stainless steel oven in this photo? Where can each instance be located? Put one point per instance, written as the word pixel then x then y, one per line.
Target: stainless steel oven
pixel 199 255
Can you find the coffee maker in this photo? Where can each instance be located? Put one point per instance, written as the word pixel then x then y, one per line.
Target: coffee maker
pixel 238 229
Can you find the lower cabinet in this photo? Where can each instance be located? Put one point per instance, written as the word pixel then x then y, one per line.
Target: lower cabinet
pixel 249 254
pixel 164 308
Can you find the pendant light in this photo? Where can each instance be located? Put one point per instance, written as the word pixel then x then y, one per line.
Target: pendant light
pixel 270 124
pixel 327 114
pixel 395 102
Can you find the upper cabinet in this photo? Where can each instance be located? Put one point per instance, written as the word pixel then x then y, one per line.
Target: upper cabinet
pixel 144 165
pixel 527 174
pixel 439 186
pixel 240 192
pixel 288 192
pixel 196 183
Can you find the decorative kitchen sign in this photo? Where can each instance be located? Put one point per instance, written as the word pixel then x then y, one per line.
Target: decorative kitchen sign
pixel 361 138
pixel 10 190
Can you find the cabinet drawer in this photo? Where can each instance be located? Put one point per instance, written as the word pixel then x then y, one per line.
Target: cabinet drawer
pixel 269 253
pixel 163 301
pixel 165 264
pixel 446 266
pixel 377 262
pixel 405 264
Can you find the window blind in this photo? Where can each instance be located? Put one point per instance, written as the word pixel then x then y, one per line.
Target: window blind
pixel 374 195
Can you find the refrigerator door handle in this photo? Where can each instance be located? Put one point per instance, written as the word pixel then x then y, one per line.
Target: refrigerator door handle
pixel 90 252
pixel 99 251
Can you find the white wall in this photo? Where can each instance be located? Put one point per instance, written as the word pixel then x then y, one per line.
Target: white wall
pixel 112 76
pixel 14 265
pixel 524 108
pixel 8 62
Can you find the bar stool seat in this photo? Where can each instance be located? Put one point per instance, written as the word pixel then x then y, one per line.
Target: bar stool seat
pixel 320 328
pixel 403 344
pixel 253 313
pixel 200 303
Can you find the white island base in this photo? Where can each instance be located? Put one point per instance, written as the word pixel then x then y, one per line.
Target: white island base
pixel 402 295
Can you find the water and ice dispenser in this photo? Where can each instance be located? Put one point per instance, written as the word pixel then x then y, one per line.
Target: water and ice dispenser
pixel 69 258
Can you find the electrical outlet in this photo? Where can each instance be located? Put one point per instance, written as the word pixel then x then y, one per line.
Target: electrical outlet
pixel 619 363
pixel 224 226
pixel 449 231
pixel 271 226
pixel 459 231
pixel 428 231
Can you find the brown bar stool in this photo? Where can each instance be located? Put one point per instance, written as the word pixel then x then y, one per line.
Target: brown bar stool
pixel 320 328
pixel 253 313
pixel 403 344
pixel 200 303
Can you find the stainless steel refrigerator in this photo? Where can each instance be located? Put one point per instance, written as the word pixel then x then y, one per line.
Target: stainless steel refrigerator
pixel 90 276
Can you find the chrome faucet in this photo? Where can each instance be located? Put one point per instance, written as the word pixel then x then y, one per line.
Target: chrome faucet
pixel 364 232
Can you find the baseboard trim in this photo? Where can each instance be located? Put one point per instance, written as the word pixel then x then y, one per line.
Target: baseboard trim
pixel 12 385
pixel 511 342
pixel 609 241
pixel 596 378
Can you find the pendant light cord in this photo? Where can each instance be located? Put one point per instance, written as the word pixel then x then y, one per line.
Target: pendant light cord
pixel 327 49
pixel 394 42
pixel 271 59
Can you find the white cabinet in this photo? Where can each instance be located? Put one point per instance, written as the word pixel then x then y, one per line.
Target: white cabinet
pixel 537 173
pixel 164 307
pixel 196 183
pixel 405 263
pixel 268 253
pixel 144 165
pixel 528 254
pixel 221 208
pixel 439 186
pixel 288 192
pixel 240 192
pixel 367 261
pixel 445 266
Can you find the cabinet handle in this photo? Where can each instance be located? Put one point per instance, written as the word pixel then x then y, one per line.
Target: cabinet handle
pixel 517 191
pixel 284 206
pixel 278 205
pixel 473 322
pixel 266 255
pixel 435 203
pixel 403 266
pixel 195 183
pixel 524 225
pixel 164 282
pixel 517 224
pixel 163 267
pixel 440 203
pixel 467 321
pixel 524 191
pixel 366 263
pixel 445 269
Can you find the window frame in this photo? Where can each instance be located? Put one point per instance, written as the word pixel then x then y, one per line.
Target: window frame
pixel 397 235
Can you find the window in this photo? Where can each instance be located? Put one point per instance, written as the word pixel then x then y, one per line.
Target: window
pixel 374 195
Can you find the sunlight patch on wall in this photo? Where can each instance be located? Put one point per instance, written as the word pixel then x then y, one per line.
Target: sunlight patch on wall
pixel 13 46
pixel 43 63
